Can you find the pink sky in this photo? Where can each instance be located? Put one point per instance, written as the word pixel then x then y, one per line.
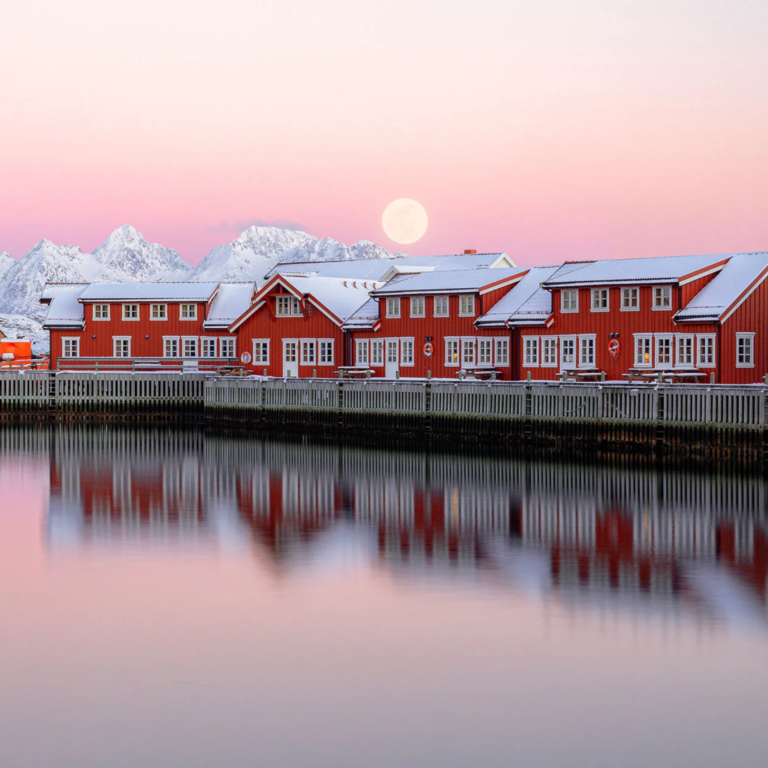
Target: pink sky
pixel 550 130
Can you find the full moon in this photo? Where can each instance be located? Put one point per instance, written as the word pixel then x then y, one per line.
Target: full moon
pixel 404 221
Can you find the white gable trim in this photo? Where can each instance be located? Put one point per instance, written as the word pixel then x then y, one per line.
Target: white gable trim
pixel 699 275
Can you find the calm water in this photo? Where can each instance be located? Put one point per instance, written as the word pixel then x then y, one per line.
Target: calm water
pixel 172 599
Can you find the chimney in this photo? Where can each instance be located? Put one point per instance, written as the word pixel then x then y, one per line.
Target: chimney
pixel 470 250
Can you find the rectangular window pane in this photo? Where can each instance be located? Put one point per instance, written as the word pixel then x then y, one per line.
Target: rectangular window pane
pixel 451 351
pixel 393 307
pixel 227 347
pixel 417 306
pixel 406 352
pixel 587 352
pixel 467 351
pixel 485 352
pixel 441 306
pixel 307 352
pixel 531 351
pixel 326 352
pixel 377 352
pixel 502 351
pixel 362 352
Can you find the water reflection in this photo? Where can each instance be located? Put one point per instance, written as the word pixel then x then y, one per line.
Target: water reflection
pixel 665 545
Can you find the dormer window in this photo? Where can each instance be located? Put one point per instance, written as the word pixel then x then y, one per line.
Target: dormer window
pixel 600 300
pixel 569 301
pixel 662 297
pixel 287 306
pixel 466 306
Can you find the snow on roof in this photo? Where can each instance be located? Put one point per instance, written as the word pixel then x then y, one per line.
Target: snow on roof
pixel 455 261
pixel 339 295
pixel 357 269
pixel 365 317
pixel 64 307
pixel 717 296
pixel 148 292
pixel 230 301
pixel 622 271
pixel 458 281
pixel 526 303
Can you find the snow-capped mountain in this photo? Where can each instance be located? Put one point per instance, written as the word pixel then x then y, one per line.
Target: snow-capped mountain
pixel 258 249
pixel 6 262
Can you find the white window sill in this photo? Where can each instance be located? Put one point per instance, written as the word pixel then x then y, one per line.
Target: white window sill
pixel 602 309
pixel 569 311
pixel 630 309
pixel 100 319
pixel 158 319
pixel 661 309
pixel 745 365
pixel 131 319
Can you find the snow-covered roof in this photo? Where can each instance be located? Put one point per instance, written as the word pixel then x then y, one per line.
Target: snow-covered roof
pixel 360 269
pixel 230 301
pixel 458 281
pixel 64 307
pixel 526 303
pixel 339 295
pixel 365 318
pixel 719 295
pixel 661 269
pixel 148 292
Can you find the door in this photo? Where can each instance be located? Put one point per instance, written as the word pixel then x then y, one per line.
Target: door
pixel 290 357
pixel 391 359
pixel 567 353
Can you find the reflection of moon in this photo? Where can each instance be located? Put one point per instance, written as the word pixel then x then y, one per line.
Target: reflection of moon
pixel 404 221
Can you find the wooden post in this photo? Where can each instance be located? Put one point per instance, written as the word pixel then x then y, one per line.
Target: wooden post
pixel 527 375
pixel 712 378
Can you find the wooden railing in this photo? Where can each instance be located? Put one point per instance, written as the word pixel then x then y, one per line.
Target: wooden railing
pixel 135 364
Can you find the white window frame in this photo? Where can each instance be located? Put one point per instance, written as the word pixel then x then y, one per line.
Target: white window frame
pixel 189 318
pixel 638 337
pixel 531 351
pixel 452 347
pixel 404 357
pixel 131 319
pixel 468 343
pixel 672 351
pixel 573 295
pixel 711 337
pixel 377 353
pixel 322 353
pixel 442 302
pixel 466 305
pixel 418 305
pixel 362 346
pixel 101 318
pixel 170 339
pixel 226 340
pixel 189 339
pixel 599 294
pixel 664 291
pixel 74 343
pixel 304 346
pixel 679 346
pixel 485 342
pixel 549 341
pixel 629 293
pixel 566 365
pixel 392 305
pixel 591 339
pixel 501 360
pixel 263 345
pixel 750 337
pixel 164 308
pixel 287 305
pixel 120 340
pixel 206 341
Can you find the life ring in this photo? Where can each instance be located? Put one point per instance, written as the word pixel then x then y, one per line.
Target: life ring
pixel 245 358
pixel 614 347
pixel 428 349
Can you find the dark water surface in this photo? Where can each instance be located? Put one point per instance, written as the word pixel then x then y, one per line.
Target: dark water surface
pixel 175 599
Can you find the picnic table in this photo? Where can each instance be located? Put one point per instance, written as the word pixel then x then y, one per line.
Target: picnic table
pixel 668 375
pixel 353 372
pixel 483 373
pixel 582 374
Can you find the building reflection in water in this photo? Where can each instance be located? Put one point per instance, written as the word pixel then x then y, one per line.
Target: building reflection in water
pixel 649 542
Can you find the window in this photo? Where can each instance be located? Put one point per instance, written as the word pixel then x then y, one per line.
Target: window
pixel 70 347
pixel 170 346
pixel 308 351
pixel 377 352
pixel 684 349
pixel 207 347
pixel 441 306
pixel 745 357
pixel 502 352
pixel 101 311
pixel 467 352
pixel 568 352
pixel 643 351
pixel 569 301
pixel 630 299
pixel 663 351
pixel 189 345
pixel 549 352
pixel 392 347
pixel 599 299
pixel 393 307
pixel 587 351
pixel 485 351
pixel 290 351
pixel 466 306
pixel 361 358
pixel 406 351
pixel 287 306
pixel 158 312
pixel 326 351
pixel 121 346
pixel 261 351
pixel 130 311
pixel 188 311
pixel 451 352
pixel 662 297
pixel 227 348
pixel 706 352
pixel 530 351
pixel 417 306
